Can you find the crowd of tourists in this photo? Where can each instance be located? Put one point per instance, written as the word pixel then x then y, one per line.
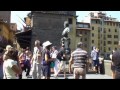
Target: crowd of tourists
pixel 47 59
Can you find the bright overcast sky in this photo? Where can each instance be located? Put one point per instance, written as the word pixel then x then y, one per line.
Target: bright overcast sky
pixel 16 14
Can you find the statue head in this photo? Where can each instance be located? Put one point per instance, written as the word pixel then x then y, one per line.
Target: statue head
pixel 66 24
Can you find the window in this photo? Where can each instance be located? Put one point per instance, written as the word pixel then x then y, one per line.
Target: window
pixel 80 25
pixel 80 32
pixel 98 36
pixel 115 30
pixel 86 26
pixel 104 31
pixel 115 36
pixel 107 23
pixel 109 49
pixel 109 30
pixel 92 21
pixel 92 28
pixel 113 24
pixel 99 22
pixel 116 42
pixel 92 48
pixel 115 49
pixel 104 43
pixel 92 34
pixel 104 49
pixel 98 29
pixel 70 20
pixel 110 23
pixel 96 22
pixel 92 41
pixel 109 42
pixel 109 36
pixel 85 39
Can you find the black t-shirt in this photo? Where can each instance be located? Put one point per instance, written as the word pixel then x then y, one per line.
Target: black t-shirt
pixel 43 55
pixel 60 54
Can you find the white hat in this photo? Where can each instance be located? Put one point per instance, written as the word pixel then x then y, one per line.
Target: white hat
pixel 8 47
pixel 47 43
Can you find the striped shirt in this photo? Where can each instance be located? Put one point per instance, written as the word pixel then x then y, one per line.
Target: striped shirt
pixel 79 57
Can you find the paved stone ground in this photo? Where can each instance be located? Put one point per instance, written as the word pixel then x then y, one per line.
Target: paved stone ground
pixel 70 76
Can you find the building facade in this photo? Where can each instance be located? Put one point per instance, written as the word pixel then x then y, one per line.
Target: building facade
pixel 104 33
pixel 83 35
pixel 6 35
pixel 48 25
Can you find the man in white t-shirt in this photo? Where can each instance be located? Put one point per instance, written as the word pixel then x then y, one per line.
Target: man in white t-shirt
pixel 36 61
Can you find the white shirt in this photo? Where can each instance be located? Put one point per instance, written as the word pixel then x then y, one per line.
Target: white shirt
pixel 7 69
pixel 35 54
pixel 54 54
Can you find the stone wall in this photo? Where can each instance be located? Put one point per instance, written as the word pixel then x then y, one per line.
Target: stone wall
pixel 107 64
pixel 48 27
